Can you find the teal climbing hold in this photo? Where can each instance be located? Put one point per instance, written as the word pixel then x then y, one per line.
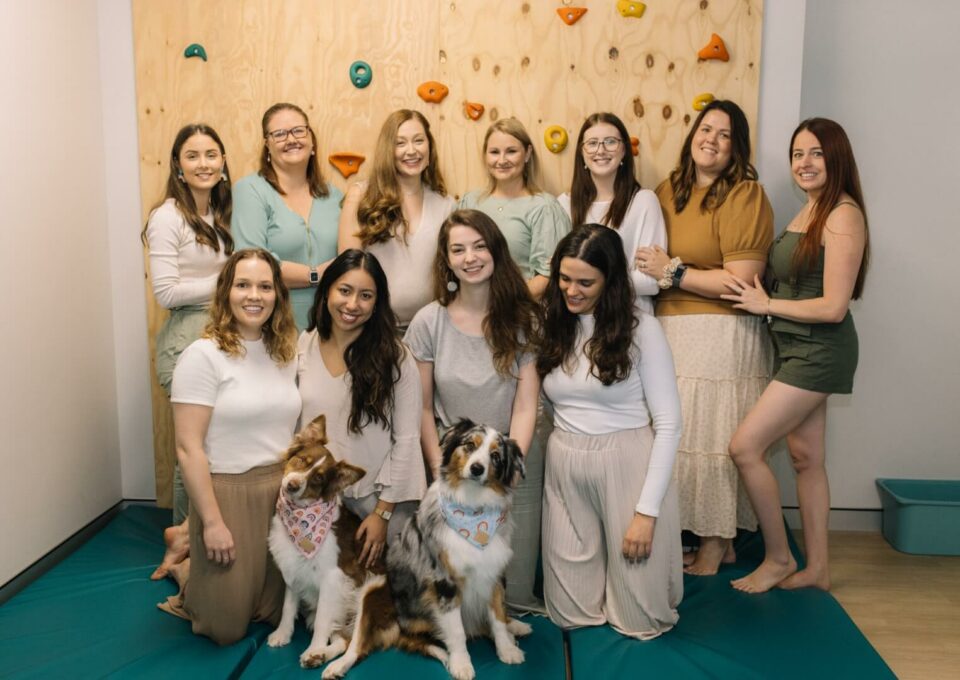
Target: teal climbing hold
pixel 195 50
pixel 360 74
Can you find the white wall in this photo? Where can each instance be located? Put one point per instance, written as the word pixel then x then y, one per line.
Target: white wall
pixel 60 455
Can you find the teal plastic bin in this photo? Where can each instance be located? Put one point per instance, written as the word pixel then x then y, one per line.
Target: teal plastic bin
pixel 921 516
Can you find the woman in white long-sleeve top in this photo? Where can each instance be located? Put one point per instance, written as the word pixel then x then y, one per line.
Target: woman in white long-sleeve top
pixel 605 191
pixel 611 525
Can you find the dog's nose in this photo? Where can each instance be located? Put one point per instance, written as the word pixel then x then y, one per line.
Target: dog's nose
pixel 293 486
pixel 476 469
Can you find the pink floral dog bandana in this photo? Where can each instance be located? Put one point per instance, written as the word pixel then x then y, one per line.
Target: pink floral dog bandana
pixel 309 525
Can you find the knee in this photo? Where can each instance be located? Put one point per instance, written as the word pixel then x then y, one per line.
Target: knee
pixel 741 450
pixel 223 632
pixel 803 456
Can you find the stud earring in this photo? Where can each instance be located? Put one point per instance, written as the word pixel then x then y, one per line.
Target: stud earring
pixel 180 176
pixel 585 167
pixel 223 176
pixel 452 286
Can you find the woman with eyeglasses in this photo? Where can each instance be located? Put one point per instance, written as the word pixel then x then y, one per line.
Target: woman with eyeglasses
pixel 397 212
pixel 287 208
pixel 605 191
pixel 531 219
pixel 719 226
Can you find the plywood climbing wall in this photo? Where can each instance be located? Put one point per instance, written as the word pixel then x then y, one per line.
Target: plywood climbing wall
pixel 516 57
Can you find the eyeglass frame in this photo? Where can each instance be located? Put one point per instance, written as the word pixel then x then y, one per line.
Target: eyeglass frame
pixel 601 142
pixel 287 132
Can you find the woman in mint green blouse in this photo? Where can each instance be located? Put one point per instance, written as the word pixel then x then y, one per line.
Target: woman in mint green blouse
pixel 287 208
pixel 531 220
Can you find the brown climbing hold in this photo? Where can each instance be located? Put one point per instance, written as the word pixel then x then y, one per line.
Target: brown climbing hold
pixel 347 163
pixel 472 110
pixel 715 49
pixel 635 145
pixel 571 15
pixel 432 91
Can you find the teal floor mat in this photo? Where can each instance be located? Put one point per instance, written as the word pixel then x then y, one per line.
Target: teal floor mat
pixel 723 633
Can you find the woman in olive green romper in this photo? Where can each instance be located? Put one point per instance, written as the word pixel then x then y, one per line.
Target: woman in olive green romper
pixel 818 266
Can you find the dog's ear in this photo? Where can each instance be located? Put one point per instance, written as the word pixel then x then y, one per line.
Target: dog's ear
pixel 451 440
pixel 514 461
pixel 345 474
pixel 315 432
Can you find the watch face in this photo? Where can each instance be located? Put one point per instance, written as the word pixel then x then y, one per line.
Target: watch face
pixel 314 276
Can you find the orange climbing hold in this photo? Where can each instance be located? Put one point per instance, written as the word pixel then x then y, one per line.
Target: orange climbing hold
pixel 347 163
pixel 635 145
pixel 472 110
pixel 715 49
pixel 571 15
pixel 432 91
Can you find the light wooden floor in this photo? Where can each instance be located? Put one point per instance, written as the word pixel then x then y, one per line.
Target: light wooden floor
pixel 908 606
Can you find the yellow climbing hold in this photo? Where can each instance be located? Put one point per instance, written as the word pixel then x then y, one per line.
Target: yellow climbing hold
pixel 628 8
pixel 555 137
pixel 701 100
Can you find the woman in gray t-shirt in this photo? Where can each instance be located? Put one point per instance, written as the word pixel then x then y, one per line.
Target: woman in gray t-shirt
pixel 474 349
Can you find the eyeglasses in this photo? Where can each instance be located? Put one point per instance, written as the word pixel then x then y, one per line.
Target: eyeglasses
pixel 298 132
pixel 609 144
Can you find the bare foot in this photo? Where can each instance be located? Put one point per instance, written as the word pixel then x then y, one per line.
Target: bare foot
pixel 713 550
pixel 689 557
pixel 807 578
pixel 766 576
pixel 178 548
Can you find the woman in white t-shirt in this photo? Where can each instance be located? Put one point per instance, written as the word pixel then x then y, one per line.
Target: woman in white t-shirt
pixel 611 536
pixel 353 368
pixel 235 408
pixel 605 191
pixel 397 212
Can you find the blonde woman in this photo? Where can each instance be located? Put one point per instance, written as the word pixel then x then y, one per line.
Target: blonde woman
pixel 396 213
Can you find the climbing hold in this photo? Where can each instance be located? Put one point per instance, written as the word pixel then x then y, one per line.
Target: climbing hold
pixel 347 163
pixel 555 137
pixel 432 91
pixel 472 110
pixel 631 9
pixel 571 15
pixel 195 50
pixel 701 100
pixel 360 74
pixel 715 49
pixel 635 146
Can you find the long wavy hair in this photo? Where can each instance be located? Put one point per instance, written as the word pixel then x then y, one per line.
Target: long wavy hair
pixel 611 349
pixel 842 178
pixel 583 192
pixel 684 176
pixel 280 330
pixel 531 169
pixel 512 321
pixel 380 214
pixel 221 204
pixel 318 187
pixel 373 359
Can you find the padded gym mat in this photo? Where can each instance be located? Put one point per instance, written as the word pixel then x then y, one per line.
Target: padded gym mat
pixel 723 633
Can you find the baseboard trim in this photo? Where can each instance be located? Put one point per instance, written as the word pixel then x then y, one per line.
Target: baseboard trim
pixel 843 519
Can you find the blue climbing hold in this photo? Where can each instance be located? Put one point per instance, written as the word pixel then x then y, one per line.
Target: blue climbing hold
pixel 360 74
pixel 195 50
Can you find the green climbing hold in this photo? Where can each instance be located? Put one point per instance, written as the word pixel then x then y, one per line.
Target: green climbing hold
pixel 360 74
pixel 195 50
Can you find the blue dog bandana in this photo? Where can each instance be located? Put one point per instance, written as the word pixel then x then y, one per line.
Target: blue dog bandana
pixel 477 525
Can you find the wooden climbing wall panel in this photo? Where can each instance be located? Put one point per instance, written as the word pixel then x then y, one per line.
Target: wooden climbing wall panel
pixel 516 57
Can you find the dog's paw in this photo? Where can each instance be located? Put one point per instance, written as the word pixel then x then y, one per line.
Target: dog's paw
pixel 337 669
pixel 313 657
pixel 510 655
pixel 460 667
pixel 518 628
pixel 280 637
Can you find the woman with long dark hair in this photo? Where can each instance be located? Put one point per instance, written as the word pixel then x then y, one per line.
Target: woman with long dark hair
pixel 474 347
pixel 353 368
pixel 396 213
pixel 719 225
pixel 286 207
pixel 605 191
pixel 818 263
pixel 611 533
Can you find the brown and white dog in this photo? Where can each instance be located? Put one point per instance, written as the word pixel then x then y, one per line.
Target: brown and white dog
pixel 445 574
pixel 312 542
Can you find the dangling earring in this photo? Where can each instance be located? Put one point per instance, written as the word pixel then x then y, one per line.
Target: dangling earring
pixel 223 176
pixel 452 286
pixel 180 176
pixel 621 162
pixel 585 167
pixel 268 157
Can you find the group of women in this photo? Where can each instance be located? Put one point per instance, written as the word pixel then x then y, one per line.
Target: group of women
pixel 589 328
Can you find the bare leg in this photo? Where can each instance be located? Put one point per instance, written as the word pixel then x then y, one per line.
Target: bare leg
pixel 713 551
pixel 807 449
pixel 780 410
pixel 177 539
